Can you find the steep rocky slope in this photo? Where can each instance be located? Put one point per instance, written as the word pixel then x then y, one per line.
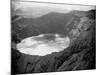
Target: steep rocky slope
pixel 80 55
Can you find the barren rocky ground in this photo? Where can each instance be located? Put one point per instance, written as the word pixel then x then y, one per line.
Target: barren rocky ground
pixel 80 55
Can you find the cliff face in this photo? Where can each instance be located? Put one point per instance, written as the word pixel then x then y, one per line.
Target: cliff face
pixel 80 55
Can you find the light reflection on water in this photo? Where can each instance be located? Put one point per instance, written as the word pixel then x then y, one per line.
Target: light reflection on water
pixel 38 45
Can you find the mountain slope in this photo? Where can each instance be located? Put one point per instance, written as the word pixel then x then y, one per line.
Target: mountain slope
pixel 80 55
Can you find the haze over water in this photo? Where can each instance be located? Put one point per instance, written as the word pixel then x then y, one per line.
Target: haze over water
pixel 37 45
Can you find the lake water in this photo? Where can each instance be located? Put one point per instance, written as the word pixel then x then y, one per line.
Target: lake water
pixel 40 45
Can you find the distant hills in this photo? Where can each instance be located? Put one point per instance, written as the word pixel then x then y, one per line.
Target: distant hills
pixel 52 22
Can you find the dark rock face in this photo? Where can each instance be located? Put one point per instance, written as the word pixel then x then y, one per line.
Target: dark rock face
pixel 80 55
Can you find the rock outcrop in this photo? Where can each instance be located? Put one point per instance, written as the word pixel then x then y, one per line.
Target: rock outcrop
pixel 80 55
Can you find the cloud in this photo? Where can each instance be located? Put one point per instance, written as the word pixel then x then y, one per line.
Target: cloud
pixel 38 9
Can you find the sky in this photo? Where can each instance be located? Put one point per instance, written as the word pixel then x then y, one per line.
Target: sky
pixel 38 9
pixel 24 4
